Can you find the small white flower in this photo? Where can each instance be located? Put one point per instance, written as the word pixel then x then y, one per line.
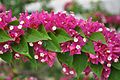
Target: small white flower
pixel 42 60
pixel 71 72
pixel 54 28
pixel 108 29
pixel 75 39
pixel 1 52
pixel 78 47
pixel 36 56
pixel 6 46
pixel 100 29
pixel 17 55
pixel 22 22
pixel 16 34
pixel 31 44
pixel 84 39
pixel 108 65
pixel 108 51
pixel 19 26
pixel 116 60
pixel 107 76
pixel 40 42
pixel 11 27
pixel 109 58
pixel 42 54
pixel 28 17
pixel 0 19
pixel 64 69
pixel 102 62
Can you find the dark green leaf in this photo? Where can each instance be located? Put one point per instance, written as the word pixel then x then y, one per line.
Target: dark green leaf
pixel 116 65
pixel 79 30
pixel 6 57
pixel 98 36
pixel 15 23
pixel 33 35
pixel 65 58
pixel 88 47
pixel 53 44
pixel 79 63
pixel 4 36
pixel 43 32
pixel 62 36
pixel 22 47
pixel 97 69
pixel 115 74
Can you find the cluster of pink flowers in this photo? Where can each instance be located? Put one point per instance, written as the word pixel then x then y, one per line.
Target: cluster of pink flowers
pixel 105 54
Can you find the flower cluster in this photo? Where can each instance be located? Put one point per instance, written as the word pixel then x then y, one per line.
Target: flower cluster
pixel 105 54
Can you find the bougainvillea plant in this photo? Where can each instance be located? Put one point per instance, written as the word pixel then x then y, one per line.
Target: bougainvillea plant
pixel 81 46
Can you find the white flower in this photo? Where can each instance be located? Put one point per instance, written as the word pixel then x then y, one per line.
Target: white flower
pixel 31 44
pixel 64 69
pixel 108 65
pixel 1 52
pixel 42 60
pixel 78 47
pixel 100 29
pixel 42 54
pixel 108 51
pixel 84 39
pixel 11 27
pixel 16 34
pixel 116 60
pixel 6 46
pixel 54 28
pixel 20 27
pixel 40 42
pixel 28 17
pixel 0 19
pixel 109 58
pixel 17 55
pixel 22 22
pixel 102 62
pixel 36 56
pixel 71 72
pixel 75 39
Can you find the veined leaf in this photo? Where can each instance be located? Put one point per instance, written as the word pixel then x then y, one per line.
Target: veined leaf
pixel 22 47
pixel 116 65
pixel 62 36
pixel 6 57
pixel 98 36
pixel 65 58
pixel 79 63
pixel 52 44
pixel 97 69
pixel 15 23
pixel 79 30
pixel 88 47
pixel 33 35
pixel 4 36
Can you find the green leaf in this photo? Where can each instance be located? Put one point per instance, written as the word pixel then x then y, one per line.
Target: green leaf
pixel 15 23
pixel 33 35
pixel 43 32
pixel 88 47
pixel 65 58
pixel 79 30
pixel 115 74
pixel 22 47
pixel 98 36
pixel 4 36
pixel 79 63
pixel 97 69
pixel 116 65
pixel 53 44
pixel 6 57
pixel 62 36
